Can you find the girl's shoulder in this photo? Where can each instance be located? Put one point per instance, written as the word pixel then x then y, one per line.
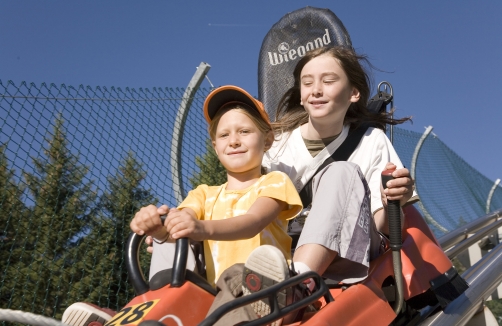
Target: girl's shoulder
pixel 283 142
pixel 376 134
pixel 374 131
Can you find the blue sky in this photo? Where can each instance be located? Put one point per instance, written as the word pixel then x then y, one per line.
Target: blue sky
pixel 442 57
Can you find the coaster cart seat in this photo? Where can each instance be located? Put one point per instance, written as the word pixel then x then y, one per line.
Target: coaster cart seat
pixel 180 297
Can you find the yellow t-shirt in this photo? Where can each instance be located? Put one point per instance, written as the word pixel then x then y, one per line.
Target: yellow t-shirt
pixel 217 203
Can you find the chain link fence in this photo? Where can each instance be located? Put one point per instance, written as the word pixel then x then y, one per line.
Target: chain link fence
pixel 76 163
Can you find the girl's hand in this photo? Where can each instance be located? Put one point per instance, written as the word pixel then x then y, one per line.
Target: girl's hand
pixel 183 223
pixel 147 221
pixel 401 188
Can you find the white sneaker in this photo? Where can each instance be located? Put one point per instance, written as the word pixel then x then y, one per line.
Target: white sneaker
pixel 265 267
pixel 86 314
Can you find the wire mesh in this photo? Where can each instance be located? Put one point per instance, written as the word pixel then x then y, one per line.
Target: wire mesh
pixel 77 162
pixel 104 152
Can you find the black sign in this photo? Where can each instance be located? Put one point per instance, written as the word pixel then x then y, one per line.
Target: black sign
pixel 287 41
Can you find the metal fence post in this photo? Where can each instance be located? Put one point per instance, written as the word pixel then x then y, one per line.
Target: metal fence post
pixel 427 216
pixel 179 125
pixel 490 195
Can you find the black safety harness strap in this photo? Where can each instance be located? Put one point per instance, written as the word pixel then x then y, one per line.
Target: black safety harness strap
pixel 377 103
pixel 341 154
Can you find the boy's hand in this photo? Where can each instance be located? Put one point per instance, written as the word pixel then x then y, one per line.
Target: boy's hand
pixel 182 223
pixel 401 188
pixel 147 221
pixel 149 244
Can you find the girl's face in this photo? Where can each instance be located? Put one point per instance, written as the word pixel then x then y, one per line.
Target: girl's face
pixel 325 90
pixel 239 143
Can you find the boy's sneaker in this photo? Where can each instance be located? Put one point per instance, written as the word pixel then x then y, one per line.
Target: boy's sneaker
pixel 265 267
pixel 86 314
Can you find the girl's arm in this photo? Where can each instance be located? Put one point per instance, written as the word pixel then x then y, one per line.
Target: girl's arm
pixel 401 188
pixel 184 223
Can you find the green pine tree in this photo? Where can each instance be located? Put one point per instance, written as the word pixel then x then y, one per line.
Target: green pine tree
pixel 63 203
pixel 13 216
pixel 104 277
pixel 211 172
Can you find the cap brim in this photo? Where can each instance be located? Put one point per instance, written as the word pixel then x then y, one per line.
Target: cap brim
pixel 228 94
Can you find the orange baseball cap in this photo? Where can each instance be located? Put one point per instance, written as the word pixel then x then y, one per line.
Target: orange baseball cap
pixel 228 94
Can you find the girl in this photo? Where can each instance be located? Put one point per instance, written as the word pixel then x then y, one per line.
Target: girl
pixel 326 103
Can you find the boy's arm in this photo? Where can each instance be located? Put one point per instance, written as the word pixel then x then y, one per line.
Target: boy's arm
pixel 184 223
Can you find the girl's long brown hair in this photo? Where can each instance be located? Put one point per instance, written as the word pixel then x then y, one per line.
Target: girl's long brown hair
pixel 290 114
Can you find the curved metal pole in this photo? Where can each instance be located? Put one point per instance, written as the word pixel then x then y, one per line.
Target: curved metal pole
pixel 179 125
pixel 414 158
pixel 490 195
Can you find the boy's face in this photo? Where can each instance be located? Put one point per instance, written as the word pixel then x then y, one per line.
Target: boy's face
pixel 239 143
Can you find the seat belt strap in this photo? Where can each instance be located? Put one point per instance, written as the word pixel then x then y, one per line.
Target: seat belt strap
pixel 342 153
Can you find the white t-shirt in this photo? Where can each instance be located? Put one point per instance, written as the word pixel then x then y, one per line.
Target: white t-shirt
pixel 290 155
